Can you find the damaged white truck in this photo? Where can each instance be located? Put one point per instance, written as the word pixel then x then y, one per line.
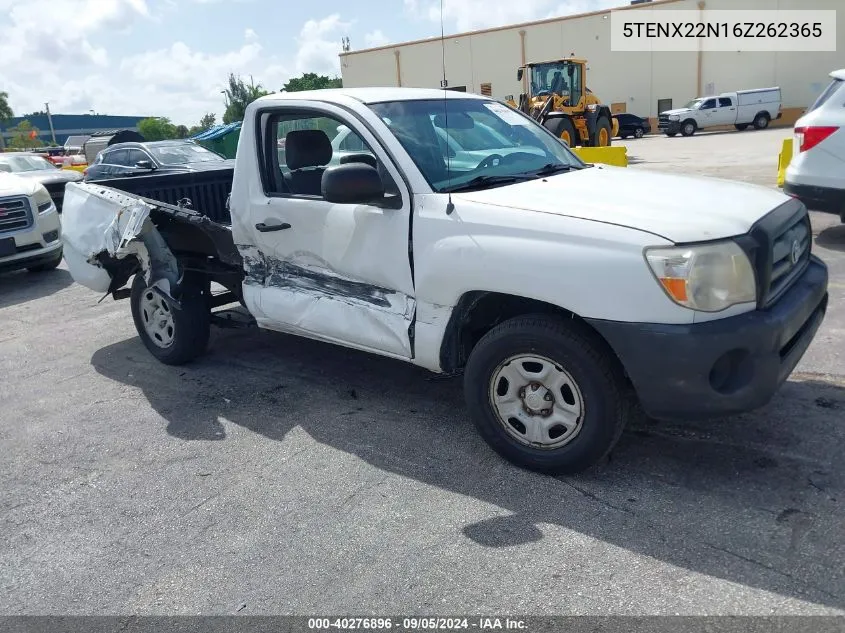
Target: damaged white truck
pixel 452 232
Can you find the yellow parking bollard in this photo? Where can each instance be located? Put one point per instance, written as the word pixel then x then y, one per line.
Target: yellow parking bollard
pixel 783 160
pixel 616 155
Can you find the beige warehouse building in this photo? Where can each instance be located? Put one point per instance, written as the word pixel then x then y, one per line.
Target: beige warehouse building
pixel 643 83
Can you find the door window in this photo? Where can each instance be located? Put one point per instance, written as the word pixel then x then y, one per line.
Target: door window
pixel 136 156
pixel 117 157
pixel 307 144
pixel 709 104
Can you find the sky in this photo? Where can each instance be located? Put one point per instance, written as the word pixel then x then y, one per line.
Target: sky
pixel 172 58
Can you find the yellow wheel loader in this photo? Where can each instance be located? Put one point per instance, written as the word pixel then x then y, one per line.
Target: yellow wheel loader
pixel 558 98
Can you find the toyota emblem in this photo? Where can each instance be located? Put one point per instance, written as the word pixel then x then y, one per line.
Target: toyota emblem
pixel 796 252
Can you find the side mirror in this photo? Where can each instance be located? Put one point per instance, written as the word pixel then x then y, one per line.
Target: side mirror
pixel 144 164
pixel 519 73
pixel 352 183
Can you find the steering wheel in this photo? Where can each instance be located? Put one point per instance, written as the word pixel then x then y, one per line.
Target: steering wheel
pixel 492 160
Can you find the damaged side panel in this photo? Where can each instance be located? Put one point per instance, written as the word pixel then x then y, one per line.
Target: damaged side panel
pixel 319 303
pixel 109 235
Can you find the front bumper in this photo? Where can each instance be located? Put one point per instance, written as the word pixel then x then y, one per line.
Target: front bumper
pixel 669 127
pixel 722 367
pixel 31 258
pixel 820 198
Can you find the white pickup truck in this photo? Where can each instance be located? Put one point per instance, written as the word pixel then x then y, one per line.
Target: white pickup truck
pixel 742 108
pixel 566 293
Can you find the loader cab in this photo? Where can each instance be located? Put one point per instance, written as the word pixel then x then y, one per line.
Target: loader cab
pixel 563 78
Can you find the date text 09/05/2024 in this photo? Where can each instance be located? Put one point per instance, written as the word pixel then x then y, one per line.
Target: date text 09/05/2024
pixel 722 29
pixel 416 623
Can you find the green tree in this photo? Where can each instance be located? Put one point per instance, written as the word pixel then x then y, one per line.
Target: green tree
pixel 208 120
pixel 22 136
pixel 181 131
pixel 312 81
pixel 238 96
pixel 5 114
pixel 157 129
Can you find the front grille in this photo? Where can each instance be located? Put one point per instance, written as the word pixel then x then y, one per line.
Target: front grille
pixel 663 120
pixel 15 214
pixel 780 245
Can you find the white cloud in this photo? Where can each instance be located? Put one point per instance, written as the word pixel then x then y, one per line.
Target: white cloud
pixel 66 52
pixel 320 44
pixel 467 15
pixel 376 38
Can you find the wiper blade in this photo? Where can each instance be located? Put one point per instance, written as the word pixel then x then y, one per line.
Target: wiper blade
pixel 479 182
pixel 552 168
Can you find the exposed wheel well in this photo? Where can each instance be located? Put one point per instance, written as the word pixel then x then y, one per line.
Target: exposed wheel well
pixel 477 312
pixel 693 121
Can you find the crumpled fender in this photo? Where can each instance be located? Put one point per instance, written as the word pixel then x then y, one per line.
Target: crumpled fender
pixel 103 230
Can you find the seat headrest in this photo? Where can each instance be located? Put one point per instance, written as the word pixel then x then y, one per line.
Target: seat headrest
pixel 307 148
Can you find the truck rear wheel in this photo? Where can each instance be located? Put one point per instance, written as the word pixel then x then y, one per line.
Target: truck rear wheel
pixel 761 121
pixel 173 335
pixel 545 395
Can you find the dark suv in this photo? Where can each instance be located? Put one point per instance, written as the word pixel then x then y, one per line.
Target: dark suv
pixel 156 157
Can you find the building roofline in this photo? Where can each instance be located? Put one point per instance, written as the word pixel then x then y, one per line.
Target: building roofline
pixel 508 27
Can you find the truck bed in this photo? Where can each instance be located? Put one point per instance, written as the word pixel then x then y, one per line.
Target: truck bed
pixel 208 190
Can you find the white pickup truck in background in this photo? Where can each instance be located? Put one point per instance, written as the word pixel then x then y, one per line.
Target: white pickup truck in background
pixel 565 293
pixel 742 108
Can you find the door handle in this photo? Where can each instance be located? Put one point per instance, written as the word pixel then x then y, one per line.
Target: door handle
pixel 267 228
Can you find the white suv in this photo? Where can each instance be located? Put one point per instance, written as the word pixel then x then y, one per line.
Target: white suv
pixel 30 229
pixel 816 173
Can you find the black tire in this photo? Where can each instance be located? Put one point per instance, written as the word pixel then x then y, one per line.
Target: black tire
pixel 191 324
pixel 47 266
pixel 603 123
pixel 600 383
pixel 761 121
pixel 741 126
pixel 639 132
pixel 688 127
pixel 560 125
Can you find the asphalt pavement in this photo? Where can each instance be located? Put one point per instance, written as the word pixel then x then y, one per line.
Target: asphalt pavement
pixel 280 475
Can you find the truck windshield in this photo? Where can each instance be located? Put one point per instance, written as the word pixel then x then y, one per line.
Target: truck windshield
pixel 692 105
pixel 458 142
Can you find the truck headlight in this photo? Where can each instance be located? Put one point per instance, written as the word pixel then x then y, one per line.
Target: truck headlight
pixel 42 199
pixel 674 117
pixel 706 277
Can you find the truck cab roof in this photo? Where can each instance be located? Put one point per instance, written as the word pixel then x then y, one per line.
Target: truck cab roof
pixel 366 95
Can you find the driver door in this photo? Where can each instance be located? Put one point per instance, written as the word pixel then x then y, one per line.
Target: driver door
pixel 335 272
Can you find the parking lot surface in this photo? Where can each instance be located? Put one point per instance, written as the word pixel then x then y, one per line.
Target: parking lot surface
pixel 280 475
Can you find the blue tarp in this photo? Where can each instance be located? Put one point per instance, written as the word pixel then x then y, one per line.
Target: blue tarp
pixel 217 131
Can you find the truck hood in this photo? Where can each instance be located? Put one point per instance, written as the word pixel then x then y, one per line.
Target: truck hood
pixel 52 176
pixel 677 208
pixel 12 185
pixel 676 111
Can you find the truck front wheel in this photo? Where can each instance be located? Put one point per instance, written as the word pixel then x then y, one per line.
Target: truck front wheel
pixel 545 395
pixel 688 128
pixel 173 335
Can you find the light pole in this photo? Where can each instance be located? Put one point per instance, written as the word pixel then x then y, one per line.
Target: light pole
pixel 50 119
